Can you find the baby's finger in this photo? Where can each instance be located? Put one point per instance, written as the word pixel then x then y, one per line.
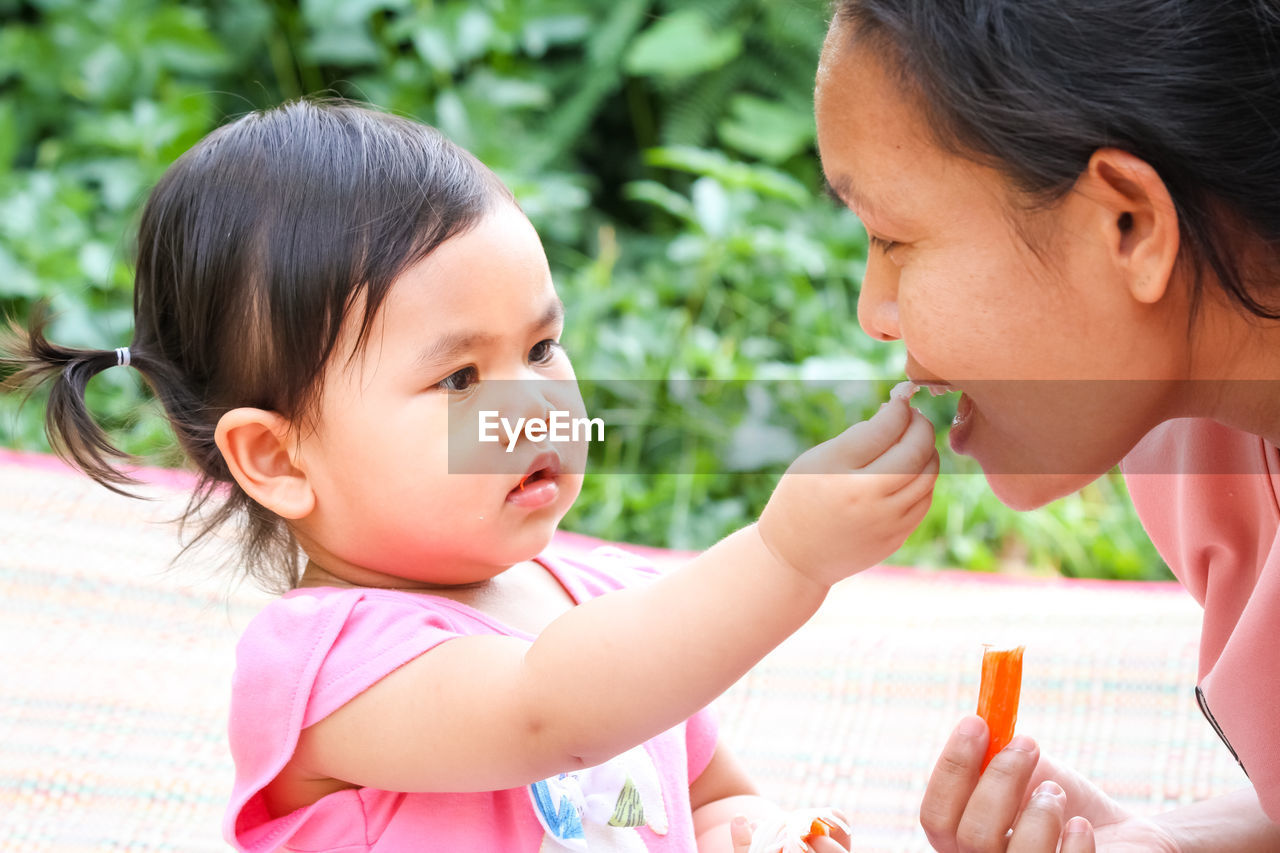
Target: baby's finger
pixel 1040 823
pixel 910 454
pixel 836 841
pixel 740 834
pixel 914 516
pixel 921 484
pixel 840 835
pixel 863 442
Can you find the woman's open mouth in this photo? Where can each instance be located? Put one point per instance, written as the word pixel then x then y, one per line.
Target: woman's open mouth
pixel 961 424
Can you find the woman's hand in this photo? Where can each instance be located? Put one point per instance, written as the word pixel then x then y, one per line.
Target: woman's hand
pixel 1024 803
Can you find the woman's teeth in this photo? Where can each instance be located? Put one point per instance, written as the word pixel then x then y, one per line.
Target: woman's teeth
pixel 906 390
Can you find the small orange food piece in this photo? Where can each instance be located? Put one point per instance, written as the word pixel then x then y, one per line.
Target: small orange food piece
pixel 998 696
pixel 818 827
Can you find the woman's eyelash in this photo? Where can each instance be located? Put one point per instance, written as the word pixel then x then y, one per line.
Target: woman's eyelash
pixel 882 244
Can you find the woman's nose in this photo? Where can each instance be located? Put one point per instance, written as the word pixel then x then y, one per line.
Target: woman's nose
pixel 878 303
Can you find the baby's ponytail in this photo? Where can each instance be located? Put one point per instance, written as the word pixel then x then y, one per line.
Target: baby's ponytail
pixel 72 431
pixel 252 250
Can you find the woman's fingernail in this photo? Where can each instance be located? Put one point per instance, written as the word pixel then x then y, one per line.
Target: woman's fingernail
pixel 739 820
pixel 972 727
pixel 1049 788
pixel 1021 743
pixel 1077 826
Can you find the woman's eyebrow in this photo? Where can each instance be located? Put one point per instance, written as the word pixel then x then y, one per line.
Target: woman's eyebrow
pixel 841 189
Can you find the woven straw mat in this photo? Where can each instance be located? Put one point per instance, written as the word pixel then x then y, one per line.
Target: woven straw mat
pixel 115 671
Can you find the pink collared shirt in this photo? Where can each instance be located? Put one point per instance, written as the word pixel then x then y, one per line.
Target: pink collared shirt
pixel 1208 497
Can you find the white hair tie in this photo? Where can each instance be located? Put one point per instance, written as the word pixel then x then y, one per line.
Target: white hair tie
pixel 122 356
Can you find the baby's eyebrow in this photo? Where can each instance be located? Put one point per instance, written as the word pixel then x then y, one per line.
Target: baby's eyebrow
pixel 449 346
pixel 553 314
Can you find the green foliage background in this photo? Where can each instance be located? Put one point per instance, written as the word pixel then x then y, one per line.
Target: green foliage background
pixel 664 149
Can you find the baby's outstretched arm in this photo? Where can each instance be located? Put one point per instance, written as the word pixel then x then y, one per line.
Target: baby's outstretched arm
pixel 488 712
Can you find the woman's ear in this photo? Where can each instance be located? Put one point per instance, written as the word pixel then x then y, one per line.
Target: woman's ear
pixel 256 446
pixel 1140 222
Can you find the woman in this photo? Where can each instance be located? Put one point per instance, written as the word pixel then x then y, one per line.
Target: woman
pixel 1074 208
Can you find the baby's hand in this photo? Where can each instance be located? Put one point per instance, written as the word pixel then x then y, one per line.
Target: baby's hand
pixel 792 833
pixel 849 503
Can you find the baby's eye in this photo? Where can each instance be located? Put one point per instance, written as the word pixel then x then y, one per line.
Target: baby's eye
pixel 544 351
pixel 460 380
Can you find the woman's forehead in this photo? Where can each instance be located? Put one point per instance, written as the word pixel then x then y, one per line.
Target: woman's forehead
pixel 861 110
pixel 879 154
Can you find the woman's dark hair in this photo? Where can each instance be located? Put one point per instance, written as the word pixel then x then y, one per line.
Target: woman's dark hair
pixel 252 250
pixel 1034 87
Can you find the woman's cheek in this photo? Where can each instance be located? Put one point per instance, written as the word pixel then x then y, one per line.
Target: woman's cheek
pixel 945 337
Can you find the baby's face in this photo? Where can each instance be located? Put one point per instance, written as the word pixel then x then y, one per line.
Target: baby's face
pixel 406 493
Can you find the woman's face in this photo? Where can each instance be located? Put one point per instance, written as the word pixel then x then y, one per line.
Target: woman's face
pixel 1062 369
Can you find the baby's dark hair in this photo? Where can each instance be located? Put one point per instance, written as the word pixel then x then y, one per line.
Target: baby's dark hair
pixel 1035 87
pixel 252 249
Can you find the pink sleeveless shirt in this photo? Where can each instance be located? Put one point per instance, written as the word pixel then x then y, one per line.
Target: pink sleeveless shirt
pixel 313 650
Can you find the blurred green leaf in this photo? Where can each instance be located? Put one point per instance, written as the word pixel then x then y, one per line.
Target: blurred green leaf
pixel 541 34
pixel 681 45
pixel 664 150
pixel 341 32
pixel 178 38
pixel 15 279
pixel 729 172
pixel 769 130
pixel 8 137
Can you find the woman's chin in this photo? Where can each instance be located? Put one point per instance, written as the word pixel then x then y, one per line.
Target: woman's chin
pixel 1022 492
pixel 1027 475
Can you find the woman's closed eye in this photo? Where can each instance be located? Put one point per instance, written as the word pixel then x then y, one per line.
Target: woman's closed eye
pixel 460 380
pixel 882 244
pixel 544 350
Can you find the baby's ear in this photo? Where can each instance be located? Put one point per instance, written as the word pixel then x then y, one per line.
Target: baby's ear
pixel 256 445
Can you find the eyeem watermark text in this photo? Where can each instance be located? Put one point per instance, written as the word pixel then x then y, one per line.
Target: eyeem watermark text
pixel 560 426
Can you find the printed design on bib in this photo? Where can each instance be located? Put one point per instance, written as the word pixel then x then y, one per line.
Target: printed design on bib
pixel 598 809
